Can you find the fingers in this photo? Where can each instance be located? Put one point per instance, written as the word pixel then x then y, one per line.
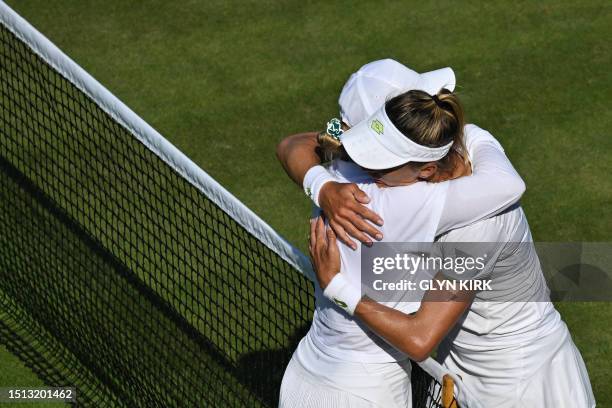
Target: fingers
pixel 321 240
pixel 361 196
pixel 342 235
pixel 366 228
pixel 368 214
pixel 331 238
pixel 354 224
pixel 359 220
pixel 332 247
pixel 313 236
pixel 350 228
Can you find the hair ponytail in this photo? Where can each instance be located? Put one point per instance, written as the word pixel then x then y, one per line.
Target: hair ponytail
pixel 433 121
pixel 330 148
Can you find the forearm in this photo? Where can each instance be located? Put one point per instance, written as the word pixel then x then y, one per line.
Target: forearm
pixel 417 334
pixel 405 332
pixel 297 154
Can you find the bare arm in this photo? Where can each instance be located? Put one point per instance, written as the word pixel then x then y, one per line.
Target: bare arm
pixel 416 335
pixel 297 154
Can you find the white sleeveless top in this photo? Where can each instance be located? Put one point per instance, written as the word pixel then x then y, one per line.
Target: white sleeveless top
pixel 414 213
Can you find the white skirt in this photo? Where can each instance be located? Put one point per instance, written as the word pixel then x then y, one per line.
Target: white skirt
pixel 546 373
pixel 313 379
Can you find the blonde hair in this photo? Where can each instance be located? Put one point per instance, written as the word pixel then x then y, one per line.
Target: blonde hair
pixel 428 120
pixel 330 148
pixel 431 121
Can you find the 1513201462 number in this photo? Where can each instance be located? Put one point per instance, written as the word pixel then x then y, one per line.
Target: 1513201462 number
pixel 50 393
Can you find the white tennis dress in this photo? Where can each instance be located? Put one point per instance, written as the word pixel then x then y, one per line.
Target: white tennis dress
pixel 340 362
pixel 514 353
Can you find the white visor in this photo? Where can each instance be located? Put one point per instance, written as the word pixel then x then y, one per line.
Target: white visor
pixel 377 144
pixel 378 81
pixel 434 81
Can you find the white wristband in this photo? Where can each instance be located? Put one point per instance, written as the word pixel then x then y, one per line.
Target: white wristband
pixel 314 179
pixel 343 294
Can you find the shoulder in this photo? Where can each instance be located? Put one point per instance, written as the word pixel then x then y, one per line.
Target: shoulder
pixel 472 128
pixel 474 134
pixel 499 228
pixel 475 130
pixel 349 172
pixel 423 197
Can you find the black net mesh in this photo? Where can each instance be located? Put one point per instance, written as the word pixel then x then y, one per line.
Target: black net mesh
pixel 426 391
pixel 118 276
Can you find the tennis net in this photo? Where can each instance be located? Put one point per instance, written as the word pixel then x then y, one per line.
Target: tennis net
pixel 125 270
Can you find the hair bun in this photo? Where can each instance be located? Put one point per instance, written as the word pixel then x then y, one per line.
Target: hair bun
pixel 436 100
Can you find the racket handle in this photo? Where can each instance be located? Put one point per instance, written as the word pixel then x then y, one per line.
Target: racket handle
pixel 448 389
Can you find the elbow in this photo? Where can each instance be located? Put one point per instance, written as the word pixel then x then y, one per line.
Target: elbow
pixel 516 187
pixel 421 355
pixel 281 148
pixel 424 349
pixel 508 188
pixel 419 348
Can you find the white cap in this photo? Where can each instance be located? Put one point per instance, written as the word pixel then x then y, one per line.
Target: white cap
pixel 377 144
pixel 375 83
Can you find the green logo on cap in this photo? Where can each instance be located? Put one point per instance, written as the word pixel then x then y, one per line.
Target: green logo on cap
pixel 377 126
pixel 340 303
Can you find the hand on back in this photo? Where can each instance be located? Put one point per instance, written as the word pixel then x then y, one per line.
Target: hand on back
pixel 344 207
